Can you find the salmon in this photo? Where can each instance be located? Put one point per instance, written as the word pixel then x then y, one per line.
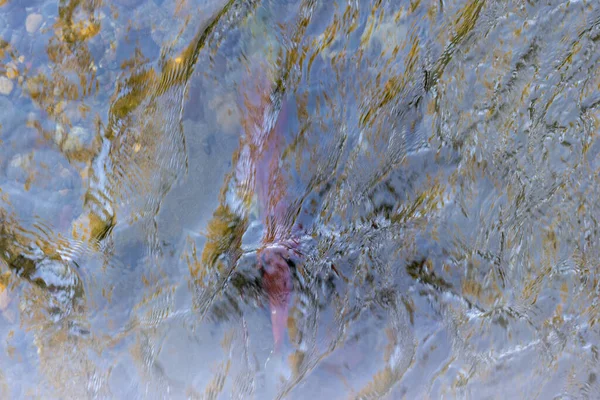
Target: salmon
pixel 259 169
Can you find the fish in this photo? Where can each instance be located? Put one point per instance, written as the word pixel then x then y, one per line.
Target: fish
pixel 266 120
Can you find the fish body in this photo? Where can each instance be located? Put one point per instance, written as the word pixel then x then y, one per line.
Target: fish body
pixel 259 168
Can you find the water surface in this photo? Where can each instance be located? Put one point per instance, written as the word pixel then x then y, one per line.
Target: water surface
pixel 437 168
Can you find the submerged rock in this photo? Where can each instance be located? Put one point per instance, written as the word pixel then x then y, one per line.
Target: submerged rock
pixel 226 112
pixel 77 139
pixel 6 85
pixel 33 22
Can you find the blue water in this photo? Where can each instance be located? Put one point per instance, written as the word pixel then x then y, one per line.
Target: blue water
pixel 437 167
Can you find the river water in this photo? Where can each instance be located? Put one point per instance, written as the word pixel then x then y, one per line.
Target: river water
pixel 431 166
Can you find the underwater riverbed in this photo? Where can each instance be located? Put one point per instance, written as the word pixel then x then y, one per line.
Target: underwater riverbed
pixel 299 199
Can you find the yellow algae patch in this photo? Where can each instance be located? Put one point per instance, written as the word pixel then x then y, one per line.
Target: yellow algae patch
pixel 4 296
pixel 11 70
pixel 91 227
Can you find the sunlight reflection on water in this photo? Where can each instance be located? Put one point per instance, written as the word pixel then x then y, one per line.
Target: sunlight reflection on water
pixel 279 198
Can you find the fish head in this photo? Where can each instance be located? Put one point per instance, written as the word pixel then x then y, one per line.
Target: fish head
pixel 278 286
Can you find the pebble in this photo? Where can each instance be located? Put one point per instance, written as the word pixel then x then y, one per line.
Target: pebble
pixel 77 138
pixel 6 85
pixel 31 118
pixel 19 167
pixel 59 134
pixel 33 22
pixel 88 226
pixel 72 112
pixel 226 112
pixel 65 173
pixel 4 296
pixel 21 161
pixel 11 70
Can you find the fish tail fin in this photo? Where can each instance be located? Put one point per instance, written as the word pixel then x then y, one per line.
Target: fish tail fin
pixel 279 316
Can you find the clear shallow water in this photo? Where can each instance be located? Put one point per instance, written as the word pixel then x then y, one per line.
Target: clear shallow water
pixel 438 169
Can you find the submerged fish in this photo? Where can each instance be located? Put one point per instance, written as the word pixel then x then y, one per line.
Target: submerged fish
pixel 259 166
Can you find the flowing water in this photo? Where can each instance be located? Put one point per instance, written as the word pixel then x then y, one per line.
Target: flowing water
pixel 245 199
